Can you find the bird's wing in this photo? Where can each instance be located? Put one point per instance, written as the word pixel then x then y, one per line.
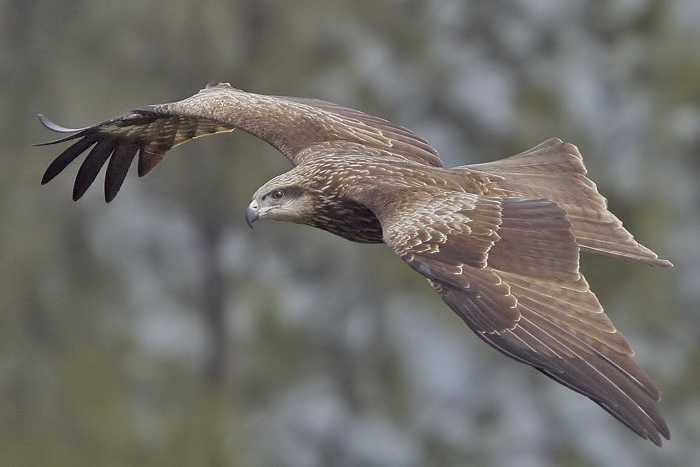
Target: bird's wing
pixel 509 268
pixel 299 128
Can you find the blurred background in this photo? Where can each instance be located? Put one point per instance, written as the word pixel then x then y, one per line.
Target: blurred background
pixel 160 330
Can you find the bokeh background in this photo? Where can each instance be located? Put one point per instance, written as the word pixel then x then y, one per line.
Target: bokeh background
pixel 160 330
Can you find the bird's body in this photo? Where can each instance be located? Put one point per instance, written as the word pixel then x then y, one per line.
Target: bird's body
pixel 345 203
pixel 499 241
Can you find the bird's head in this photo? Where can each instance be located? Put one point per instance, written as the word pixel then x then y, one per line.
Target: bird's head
pixel 281 199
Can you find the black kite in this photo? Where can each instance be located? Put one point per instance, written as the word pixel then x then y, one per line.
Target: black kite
pixel 498 241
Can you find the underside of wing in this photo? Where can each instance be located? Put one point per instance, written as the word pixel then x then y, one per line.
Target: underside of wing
pixel 142 131
pixel 511 273
pixel 300 128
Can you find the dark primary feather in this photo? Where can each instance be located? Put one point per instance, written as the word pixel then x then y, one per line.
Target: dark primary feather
pixel 499 242
pixel 142 131
pixel 298 127
pixel 118 167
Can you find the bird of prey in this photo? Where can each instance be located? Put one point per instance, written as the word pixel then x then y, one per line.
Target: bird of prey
pixel 498 241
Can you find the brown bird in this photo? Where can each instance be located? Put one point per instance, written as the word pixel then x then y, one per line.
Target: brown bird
pixel 499 242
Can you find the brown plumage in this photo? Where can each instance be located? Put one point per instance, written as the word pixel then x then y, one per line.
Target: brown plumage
pixel 498 241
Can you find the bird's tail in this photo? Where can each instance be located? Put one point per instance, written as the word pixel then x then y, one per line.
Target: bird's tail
pixel 554 170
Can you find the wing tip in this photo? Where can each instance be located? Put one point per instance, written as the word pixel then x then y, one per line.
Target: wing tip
pixel 44 120
pixel 47 177
pixel 109 196
pixel 148 159
pixel 662 433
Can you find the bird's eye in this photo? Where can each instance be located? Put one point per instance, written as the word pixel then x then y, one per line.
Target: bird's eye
pixel 277 194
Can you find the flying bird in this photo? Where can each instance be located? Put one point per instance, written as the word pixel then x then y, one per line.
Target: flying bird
pixel 498 241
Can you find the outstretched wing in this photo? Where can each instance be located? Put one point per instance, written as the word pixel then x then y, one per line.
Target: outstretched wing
pixel 299 128
pixel 509 268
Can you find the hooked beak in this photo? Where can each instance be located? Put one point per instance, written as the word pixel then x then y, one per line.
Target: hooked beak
pixel 252 213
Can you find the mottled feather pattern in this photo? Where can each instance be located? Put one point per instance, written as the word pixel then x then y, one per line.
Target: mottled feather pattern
pixel 431 222
pixel 499 241
pixel 292 124
pixel 554 170
pixel 537 302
